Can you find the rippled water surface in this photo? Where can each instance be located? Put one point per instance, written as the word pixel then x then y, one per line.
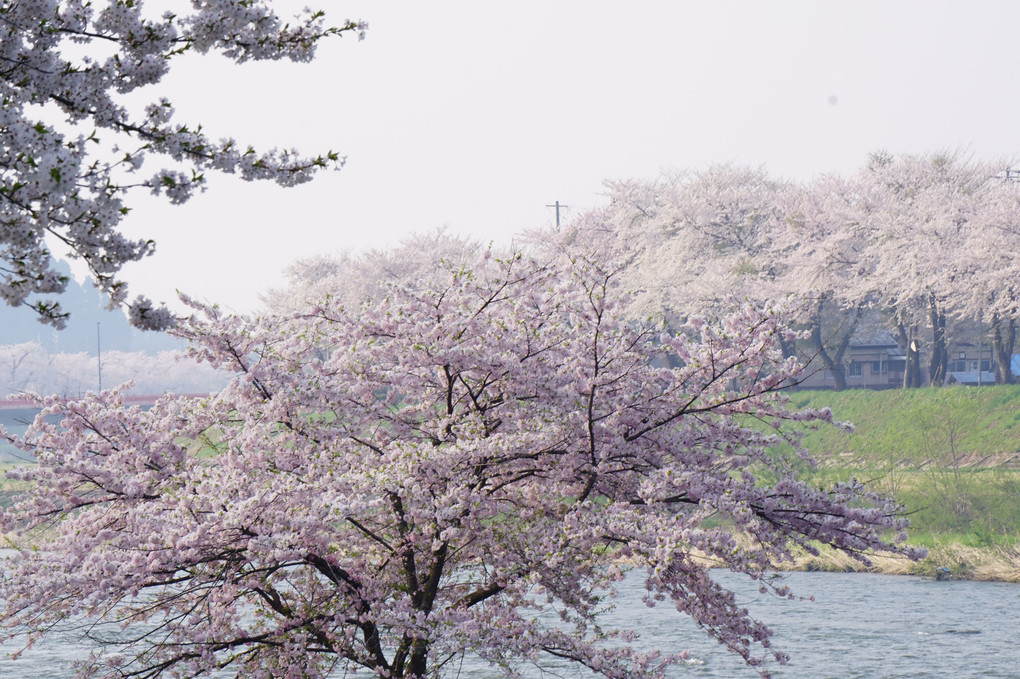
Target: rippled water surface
pixel 858 626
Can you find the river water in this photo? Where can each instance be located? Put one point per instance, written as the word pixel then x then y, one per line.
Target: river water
pixel 16 421
pixel 858 626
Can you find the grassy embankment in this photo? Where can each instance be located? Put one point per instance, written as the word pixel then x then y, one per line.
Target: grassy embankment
pixel 950 455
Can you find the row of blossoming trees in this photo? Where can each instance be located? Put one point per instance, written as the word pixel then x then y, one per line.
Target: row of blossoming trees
pixel 912 244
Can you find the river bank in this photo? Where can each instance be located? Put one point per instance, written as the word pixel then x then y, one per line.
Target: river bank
pixel 949 561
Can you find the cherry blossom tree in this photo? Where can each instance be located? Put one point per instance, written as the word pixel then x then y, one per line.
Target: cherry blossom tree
pixel 990 292
pixel 20 366
pixel 689 242
pixel 918 242
pixel 825 244
pixel 491 442
pixel 931 205
pixel 353 280
pixel 906 238
pixel 71 149
pixel 686 241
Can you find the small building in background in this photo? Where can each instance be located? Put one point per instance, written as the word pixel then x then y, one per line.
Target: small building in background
pixel 878 362
pixel 875 362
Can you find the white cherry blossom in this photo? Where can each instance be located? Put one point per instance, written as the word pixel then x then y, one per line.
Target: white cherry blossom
pixel 71 151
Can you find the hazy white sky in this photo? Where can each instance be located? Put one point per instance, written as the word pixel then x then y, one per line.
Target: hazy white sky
pixel 476 115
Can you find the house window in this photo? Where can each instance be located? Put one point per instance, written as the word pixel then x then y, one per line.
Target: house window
pixel 879 367
pixel 856 369
pixel 970 366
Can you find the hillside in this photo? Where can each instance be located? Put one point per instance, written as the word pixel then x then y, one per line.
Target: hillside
pixel 950 455
pixel 969 426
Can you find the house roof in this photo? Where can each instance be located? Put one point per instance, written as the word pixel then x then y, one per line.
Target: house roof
pixel 877 340
pixel 987 377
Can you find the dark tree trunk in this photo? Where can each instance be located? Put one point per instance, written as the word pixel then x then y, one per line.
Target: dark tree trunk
pixel 912 370
pixel 789 347
pixel 838 374
pixel 1003 343
pixel 939 348
pixel 838 342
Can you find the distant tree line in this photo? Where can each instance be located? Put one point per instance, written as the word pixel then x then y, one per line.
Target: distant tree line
pixel 915 246
pixel 28 368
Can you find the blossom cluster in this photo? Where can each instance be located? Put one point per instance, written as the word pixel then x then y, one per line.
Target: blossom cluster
pixel 390 486
pixel 65 67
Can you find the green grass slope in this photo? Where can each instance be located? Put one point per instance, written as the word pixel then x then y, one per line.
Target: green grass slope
pixel 981 425
pixel 951 455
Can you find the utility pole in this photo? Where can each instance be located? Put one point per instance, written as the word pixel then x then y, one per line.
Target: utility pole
pixel 981 350
pixel 99 357
pixel 558 206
